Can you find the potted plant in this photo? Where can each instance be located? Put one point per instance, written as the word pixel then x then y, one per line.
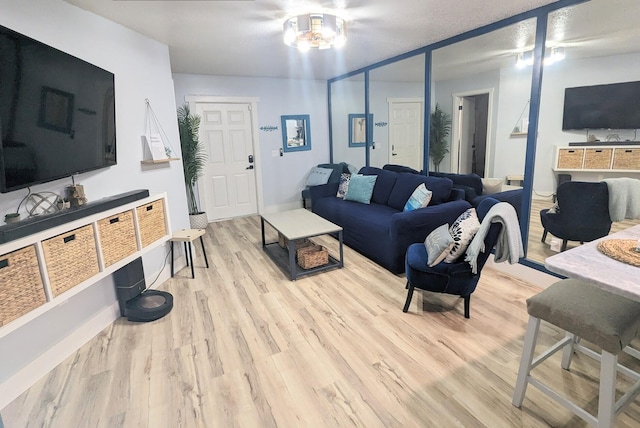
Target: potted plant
pixel 193 161
pixel 438 134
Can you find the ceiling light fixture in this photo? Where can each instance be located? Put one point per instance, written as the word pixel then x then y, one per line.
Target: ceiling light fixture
pixel 315 30
pixel 552 55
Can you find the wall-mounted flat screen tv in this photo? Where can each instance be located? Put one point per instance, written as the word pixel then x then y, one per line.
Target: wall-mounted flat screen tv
pixel 57 113
pixel 612 106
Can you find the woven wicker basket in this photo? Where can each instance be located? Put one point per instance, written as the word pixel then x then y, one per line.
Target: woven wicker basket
pixel 298 243
pixel 71 258
pixel 117 237
pixel 21 288
pixel 570 158
pixel 626 159
pixel 151 222
pixel 312 256
pixel 597 158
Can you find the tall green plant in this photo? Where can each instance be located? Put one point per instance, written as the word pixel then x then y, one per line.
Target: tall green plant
pixel 438 134
pixel 193 154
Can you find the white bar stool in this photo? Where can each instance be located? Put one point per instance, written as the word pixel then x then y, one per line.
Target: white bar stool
pixel 584 311
pixel 187 236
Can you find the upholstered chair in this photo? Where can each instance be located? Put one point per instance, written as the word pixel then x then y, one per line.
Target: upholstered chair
pixel 451 278
pixel 582 213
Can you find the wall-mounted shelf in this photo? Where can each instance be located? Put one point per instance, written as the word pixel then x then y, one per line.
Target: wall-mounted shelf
pixel 155 161
pixel 518 134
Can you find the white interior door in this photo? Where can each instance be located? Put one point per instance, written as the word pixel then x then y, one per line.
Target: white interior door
pixel 466 137
pixel 227 187
pixel 406 133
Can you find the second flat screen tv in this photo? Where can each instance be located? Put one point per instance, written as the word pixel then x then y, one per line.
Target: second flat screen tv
pixel 612 106
pixel 57 113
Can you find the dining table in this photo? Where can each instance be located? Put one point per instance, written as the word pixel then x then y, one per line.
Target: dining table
pixel 591 265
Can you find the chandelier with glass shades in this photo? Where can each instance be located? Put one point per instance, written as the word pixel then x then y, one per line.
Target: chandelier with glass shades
pixel 315 30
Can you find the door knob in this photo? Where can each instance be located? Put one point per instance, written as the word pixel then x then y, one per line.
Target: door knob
pixel 249 167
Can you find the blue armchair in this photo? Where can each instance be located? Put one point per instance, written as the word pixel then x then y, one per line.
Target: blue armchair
pixel 450 278
pixel 582 214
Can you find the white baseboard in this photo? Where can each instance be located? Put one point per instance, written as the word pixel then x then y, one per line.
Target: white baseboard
pixel 523 272
pixel 34 371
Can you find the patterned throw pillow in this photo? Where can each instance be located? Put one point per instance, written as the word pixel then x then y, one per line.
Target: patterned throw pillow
pixel 344 185
pixel 420 198
pixel 438 244
pixel 462 231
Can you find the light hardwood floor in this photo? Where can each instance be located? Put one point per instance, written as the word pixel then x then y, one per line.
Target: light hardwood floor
pixel 246 347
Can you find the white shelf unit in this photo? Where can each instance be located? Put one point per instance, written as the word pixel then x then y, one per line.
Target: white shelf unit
pixel 36 240
pixel 609 158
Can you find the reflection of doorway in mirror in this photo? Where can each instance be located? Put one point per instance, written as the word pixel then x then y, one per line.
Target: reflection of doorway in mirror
pixel 470 133
pixel 359 130
pixel 406 136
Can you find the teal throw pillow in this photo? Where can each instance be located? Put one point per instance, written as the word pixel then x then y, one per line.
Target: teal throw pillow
pixel 438 244
pixel 318 176
pixel 420 198
pixel 360 188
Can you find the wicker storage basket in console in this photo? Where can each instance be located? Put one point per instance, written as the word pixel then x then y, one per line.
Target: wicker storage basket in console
pixel 21 287
pixel 117 237
pixel 71 258
pixel 151 222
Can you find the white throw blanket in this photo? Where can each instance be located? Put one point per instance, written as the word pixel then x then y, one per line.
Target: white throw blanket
pixel 509 244
pixel 624 198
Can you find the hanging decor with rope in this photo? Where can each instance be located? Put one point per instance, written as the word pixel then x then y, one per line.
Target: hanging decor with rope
pixel 155 143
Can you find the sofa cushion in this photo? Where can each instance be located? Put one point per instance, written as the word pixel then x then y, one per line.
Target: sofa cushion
pixel 462 231
pixel 343 186
pixel 438 244
pixel 318 176
pixel 470 180
pixel 407 183
pixel 384 183
pixel 492 185
pixel 337 170
pixel 360 188
pixel 420 198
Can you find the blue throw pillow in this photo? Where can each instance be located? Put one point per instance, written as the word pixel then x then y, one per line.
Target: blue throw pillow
pixel 419 198
pixel 318 176
pixel 360 188
pixel 438 244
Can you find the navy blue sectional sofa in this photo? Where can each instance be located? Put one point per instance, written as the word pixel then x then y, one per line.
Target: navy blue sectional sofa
pixel 471 184
pixel 381 230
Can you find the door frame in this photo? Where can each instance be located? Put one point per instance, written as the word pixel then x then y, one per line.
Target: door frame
pixel 390 103
pixel 455 129
pixel 194 100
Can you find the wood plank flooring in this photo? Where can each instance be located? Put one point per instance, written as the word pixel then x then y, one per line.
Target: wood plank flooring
pixel 246 347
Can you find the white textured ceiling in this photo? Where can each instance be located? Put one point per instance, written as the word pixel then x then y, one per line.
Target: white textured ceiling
pixel 244 38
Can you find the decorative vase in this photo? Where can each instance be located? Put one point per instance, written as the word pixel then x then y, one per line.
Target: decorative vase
pixel 198 221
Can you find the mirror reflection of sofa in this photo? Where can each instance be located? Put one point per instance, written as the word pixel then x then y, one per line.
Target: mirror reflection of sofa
pixel 472 185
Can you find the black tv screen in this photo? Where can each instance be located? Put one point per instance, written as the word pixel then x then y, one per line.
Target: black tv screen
pixel 613 106
pixel 57 113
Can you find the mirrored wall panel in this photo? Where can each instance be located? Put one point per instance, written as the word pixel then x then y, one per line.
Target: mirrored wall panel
pixel 396 101
pixel 347 98
pixel 588 123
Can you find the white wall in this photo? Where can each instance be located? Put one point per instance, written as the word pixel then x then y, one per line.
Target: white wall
pixel 283 177
pixel 142 70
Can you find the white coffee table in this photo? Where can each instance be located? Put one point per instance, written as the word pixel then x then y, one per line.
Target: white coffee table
pixel 294 225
